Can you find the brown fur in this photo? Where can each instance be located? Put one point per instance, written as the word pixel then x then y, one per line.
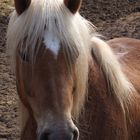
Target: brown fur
pixel 29 132
pixel 52 74
pixel 103 118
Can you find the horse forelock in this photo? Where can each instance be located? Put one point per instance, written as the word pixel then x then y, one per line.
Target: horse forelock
pixel 72 31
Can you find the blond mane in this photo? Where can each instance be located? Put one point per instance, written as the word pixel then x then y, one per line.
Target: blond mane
pixel 120 86
pixel 74 31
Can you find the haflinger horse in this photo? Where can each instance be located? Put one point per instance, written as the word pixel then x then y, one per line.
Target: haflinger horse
pixel 72 85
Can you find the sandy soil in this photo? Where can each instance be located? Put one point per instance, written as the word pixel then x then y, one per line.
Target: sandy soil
pixel 113 18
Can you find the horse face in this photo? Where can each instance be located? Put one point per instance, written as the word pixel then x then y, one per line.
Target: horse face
pixel 48 88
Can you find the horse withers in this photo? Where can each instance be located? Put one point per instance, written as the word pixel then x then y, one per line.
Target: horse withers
pixel 68 79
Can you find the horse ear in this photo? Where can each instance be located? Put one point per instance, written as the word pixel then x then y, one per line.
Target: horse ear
pixel 73 5
pixel 21 5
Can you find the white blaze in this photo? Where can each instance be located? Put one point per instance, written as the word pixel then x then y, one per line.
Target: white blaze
pixel 52 42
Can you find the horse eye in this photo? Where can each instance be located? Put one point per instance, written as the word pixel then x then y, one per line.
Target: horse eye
pixel 74 89
pixel 24 56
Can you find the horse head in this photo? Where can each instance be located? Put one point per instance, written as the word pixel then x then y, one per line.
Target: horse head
pixel 51 64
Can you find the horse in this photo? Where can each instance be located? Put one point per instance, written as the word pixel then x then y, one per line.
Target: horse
pixel 72 85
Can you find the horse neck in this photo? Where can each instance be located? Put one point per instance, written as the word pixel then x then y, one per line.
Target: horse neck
pixel 97 82
pixel 100 107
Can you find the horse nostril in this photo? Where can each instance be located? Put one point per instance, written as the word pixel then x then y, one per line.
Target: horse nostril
pixel 61 135
pixel 44 136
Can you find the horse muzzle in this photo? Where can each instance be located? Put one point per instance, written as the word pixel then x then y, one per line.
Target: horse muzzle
pixel 60 134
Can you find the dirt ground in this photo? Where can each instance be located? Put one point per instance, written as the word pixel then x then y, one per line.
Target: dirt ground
pixel 113 18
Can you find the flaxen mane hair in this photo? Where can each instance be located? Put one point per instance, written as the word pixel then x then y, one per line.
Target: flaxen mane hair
pixel 122 87
pixel 76 33
pixel 72 30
